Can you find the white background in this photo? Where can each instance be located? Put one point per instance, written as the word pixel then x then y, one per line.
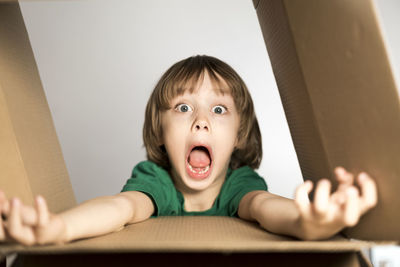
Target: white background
pixel 99 61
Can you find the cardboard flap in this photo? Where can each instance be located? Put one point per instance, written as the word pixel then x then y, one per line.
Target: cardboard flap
pixel 31 160
pixel 339 96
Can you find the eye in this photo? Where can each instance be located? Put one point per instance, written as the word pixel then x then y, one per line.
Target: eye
pixel 183 108
pixel 219 109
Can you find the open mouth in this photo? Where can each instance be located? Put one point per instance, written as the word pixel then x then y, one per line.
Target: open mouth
pixel 199 162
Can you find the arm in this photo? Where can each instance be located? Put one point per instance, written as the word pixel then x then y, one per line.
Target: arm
pixel 106 214
pixel 94 217
pixel 328 215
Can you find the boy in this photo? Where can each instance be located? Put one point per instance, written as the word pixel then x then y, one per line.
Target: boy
pixel 203 142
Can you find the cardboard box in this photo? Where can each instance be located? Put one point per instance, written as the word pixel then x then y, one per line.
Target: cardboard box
pixel 342 107
pixel 339 96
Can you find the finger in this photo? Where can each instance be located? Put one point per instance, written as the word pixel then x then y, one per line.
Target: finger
pixel 4 213
pixel 336 204
pixel 14 220
pixel 43 211
pixel 2 197
pixel 4 203
pixel 344 178
pixel 29 215
pixel 6 207
pixel 2 233
pixel 369 195
pixel 301 197
pixel 321 199
pixel 351 209
pixel 339 197
pixel 15 228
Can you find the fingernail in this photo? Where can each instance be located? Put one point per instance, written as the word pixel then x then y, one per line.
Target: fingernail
pixel 39 199
pixel 15 202
pixel 363 176
pixel 340 170
pixel 325 181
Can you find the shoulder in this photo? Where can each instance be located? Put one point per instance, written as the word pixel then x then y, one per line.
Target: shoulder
pixel 244 174
pixel 148 168
pixel 243 170
pixel 238 183
pixel 148 174
pixel 155 182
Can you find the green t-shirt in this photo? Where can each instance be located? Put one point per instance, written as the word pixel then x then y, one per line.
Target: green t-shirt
pixel 155 182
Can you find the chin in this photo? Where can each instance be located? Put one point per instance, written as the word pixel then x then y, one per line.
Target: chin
pixel 197 185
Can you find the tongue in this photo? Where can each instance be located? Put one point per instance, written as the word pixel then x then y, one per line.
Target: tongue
pixel 199 159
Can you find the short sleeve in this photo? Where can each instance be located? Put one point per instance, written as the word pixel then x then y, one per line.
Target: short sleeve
pixel 149 178
pixel 240 182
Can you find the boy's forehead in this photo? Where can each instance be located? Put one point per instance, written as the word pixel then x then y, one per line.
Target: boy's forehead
pixel 219 87
pixel 193 83
pixel 219 91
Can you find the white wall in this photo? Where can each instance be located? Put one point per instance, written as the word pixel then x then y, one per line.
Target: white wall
pixel 388 11
pixel 99 61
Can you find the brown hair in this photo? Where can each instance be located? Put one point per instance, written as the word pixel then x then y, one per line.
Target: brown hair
pixel 184 75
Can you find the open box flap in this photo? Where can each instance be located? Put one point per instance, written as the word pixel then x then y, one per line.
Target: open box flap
pixel 31 160
pixel 339 97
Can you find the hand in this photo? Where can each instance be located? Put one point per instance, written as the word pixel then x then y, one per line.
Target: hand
pixel 28 225
pixel 330 213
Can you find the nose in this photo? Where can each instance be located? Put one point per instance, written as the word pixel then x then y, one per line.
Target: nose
pixel 201 120
pixel 201 125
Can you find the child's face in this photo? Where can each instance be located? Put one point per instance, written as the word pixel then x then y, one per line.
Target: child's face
pixel 198 120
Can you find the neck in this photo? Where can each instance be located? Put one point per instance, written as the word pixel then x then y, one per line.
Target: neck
pixel 200 200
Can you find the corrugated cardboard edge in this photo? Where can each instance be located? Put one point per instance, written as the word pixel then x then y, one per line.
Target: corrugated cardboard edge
pixel 255 3
pixel 193 234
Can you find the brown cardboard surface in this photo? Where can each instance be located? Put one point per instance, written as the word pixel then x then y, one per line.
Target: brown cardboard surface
pixel 339 97
pixel 344 259
pixel 193 234
pixel 31 160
